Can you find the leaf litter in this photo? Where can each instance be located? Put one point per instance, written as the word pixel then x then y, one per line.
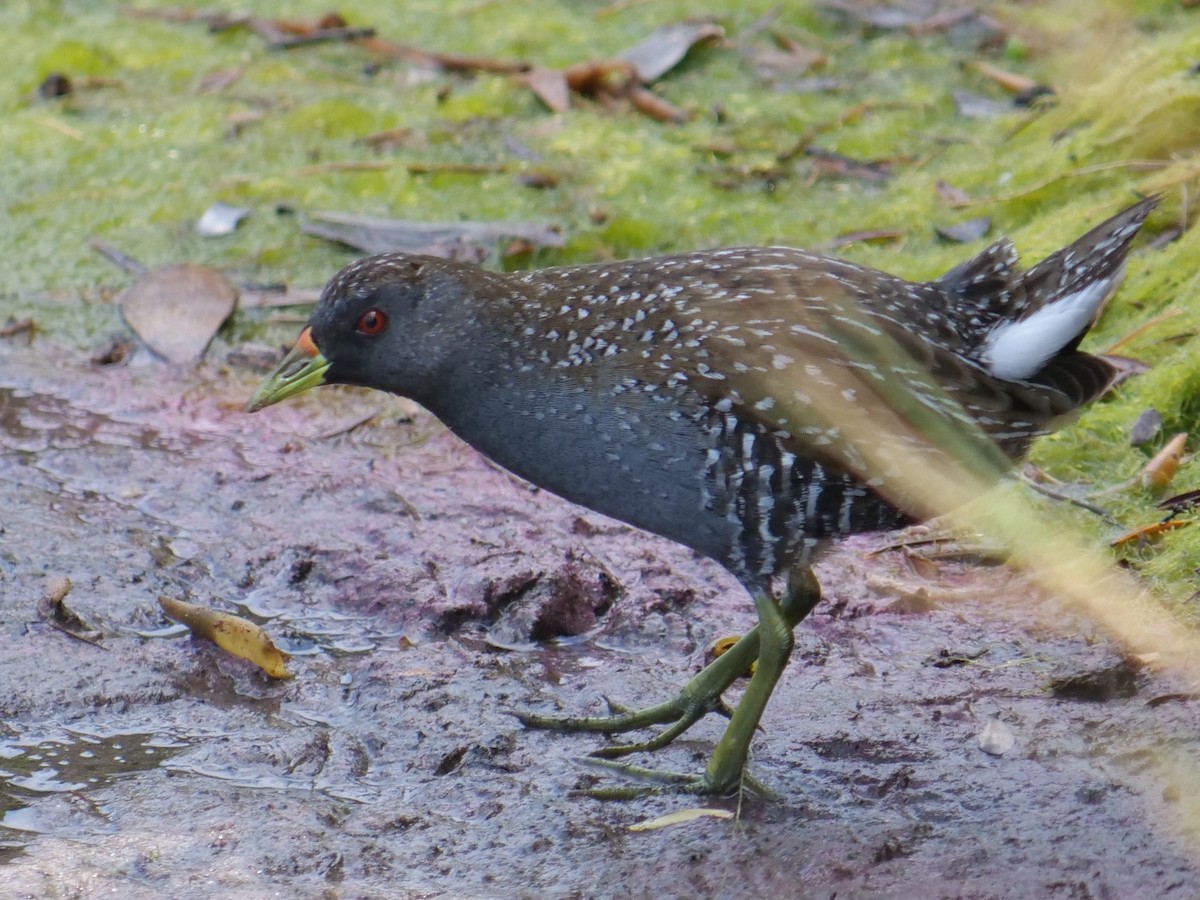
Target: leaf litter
pixel 177 310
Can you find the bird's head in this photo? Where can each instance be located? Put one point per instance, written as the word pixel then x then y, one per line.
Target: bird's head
pixel 383 322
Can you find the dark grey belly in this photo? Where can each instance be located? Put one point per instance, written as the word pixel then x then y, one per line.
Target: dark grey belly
pixel 661 462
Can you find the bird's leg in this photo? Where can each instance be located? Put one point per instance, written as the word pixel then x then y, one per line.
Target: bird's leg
pixel 770 641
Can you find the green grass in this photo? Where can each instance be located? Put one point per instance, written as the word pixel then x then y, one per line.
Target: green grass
pixel 135 157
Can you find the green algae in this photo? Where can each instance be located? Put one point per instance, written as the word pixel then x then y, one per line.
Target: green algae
pixel 137 153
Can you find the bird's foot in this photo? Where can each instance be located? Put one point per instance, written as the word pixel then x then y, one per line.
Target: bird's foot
pixel 657 781
pixel 769 643
pixel 699 697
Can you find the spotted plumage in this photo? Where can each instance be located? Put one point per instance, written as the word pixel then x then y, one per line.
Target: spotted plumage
pixel 707 396
pixel 672 392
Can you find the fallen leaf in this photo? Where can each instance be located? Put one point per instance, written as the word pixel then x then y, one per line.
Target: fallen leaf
pixel 13 327
pixel 976 106
pixel 1181 502
pixel 1126 367
pixel 454 62
pixel 470 241
pixel 551 87
pixel 873 17
pixel 599 76
pixel 827 162
pixel 233 634
pixel 656 107
pixel 953 195
pixel 220 219
pixel 922 565
pixel 666 47
pixel 218 80
pixel 273 298
pixel 1010 81
pixel 965 232
pixel 996 739
pixel 1146 533
pixel 866 236
pixel 52 607
pixel 176 310
pixel 284 34
pixel 1158 473
pixel 788 59
pixel 679 817
pixel 987 30
pixel 1178 697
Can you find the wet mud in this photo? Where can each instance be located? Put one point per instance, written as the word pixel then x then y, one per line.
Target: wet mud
pixel 425 595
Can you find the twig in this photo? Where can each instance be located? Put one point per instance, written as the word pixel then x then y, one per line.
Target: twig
pixel 78 637
pixel 116 257
pixel 1139 164
pixel 463 168
pixel 346 429
pixel 1067 498
pixel 320 35
pixel 14 328
pixel 1145 326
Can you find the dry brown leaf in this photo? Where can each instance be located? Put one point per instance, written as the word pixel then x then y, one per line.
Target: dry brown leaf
pixel 176 310
pixel 1010 81
pixel 551 87
pixel 656 107
pixel 922 566
pixel 955 196
pixel 1162 468
pixel 218 80
pixel 51 606
pixel 13 327
pixel 1147 533
pixel 830 163
pixel 597 76
pixel 455 62
pixel 233 634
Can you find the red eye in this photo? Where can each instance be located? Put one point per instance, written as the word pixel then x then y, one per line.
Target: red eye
pixel 372 322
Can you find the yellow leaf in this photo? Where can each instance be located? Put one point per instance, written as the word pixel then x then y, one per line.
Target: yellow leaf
pixel 1159 471
pixel 232 634
pixel 679 817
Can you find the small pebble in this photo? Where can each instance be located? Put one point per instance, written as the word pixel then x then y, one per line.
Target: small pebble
pixel 996 738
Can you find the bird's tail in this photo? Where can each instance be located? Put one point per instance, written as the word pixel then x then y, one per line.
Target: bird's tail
pixel 1028 322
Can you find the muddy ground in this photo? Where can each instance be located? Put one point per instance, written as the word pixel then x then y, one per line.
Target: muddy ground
pixel 413 580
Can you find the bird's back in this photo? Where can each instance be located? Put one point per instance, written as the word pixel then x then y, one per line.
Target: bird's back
pixel 738 371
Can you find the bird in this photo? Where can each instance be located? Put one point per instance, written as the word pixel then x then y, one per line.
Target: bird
pixel 706 397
